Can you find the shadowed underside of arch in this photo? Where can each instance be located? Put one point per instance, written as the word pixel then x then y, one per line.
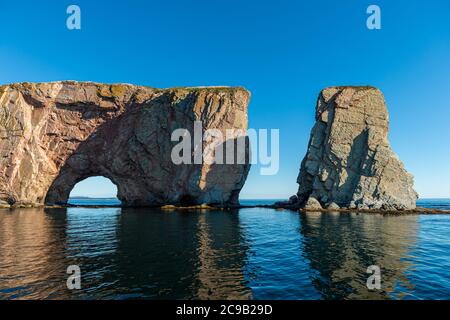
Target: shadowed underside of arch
pixel 58 134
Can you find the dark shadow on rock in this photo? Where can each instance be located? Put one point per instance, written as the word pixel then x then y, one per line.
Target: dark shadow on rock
pixel 87 110
pixel 234 162
pixel 355 162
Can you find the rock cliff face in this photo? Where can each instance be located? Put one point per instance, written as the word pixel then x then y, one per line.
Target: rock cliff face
pixel 349 162
pixel 53 135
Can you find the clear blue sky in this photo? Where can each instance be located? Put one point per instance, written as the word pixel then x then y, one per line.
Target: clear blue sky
pixel 284 52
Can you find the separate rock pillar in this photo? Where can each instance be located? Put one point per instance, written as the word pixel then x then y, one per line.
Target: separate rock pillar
pixel 349 162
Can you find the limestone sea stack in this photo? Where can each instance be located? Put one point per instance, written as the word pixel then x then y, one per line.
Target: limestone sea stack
pixel 53 135
pixel 349 162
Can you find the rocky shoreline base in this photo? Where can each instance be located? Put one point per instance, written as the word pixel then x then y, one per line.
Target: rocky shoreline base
pixel 276 206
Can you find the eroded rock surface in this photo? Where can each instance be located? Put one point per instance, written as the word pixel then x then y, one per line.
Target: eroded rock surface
pixel 349 162
pixel 53 135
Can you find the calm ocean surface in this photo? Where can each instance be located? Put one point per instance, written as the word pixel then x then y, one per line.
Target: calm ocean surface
pixel 243 254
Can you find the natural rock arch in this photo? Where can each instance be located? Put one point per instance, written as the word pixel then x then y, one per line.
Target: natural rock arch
pixel 104 153
pixel 53 135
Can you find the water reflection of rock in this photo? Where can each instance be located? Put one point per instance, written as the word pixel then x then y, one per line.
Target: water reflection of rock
pixel 122 253
pixel 180 255
pixel 32 260
pixel 91 243
pixel 340 247
pixel 221 257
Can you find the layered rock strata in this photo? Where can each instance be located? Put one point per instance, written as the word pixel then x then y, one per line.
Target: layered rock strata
pixel 53 135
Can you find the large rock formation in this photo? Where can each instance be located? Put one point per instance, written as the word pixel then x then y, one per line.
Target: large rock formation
pixel 53 135
pixel 349 161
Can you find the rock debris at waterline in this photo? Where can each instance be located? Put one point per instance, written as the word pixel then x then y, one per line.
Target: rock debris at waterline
pixel 233 208
pixel 349 162
pixel 53 135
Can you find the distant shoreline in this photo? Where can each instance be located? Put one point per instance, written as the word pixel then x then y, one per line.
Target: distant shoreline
pixel 93 198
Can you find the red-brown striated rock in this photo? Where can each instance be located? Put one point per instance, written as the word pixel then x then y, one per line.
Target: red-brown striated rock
pixel 53 135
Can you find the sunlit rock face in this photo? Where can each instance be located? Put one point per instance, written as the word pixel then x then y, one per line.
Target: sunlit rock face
pixel 53 135
pixel 349 161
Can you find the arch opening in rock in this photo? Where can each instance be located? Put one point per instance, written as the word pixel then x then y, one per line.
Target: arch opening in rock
pixel 79 190
pixel 95 190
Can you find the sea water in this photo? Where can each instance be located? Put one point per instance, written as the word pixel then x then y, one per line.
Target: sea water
pixel 253 253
